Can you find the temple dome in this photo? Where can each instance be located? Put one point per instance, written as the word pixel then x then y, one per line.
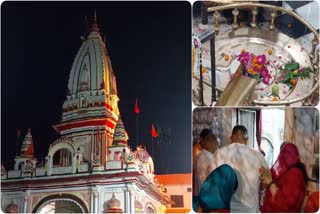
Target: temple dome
pixel 120 136
pixel 141 154
pixel 92 88
pixel 27 149
pixel 92 65
pixel 138 208
pixel 12 208
pixel 113 205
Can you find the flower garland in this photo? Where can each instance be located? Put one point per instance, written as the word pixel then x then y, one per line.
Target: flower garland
pixel 255 66
pixel 196 50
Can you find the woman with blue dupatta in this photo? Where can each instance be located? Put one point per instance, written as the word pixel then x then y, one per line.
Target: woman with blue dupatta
pixel 217 190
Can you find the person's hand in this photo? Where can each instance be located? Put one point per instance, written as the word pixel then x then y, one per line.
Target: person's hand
pixel 265 175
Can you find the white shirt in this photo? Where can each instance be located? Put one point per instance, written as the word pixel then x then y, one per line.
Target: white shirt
pixel 246 163
pixel 200 167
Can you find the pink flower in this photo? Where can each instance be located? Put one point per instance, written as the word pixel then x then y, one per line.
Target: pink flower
pixel 266 80
pixel 195 43
pixel 261 59
pixel 264 72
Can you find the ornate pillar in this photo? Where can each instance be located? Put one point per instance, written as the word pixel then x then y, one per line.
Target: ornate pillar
pixel 94 200
pixel 131 198
pixel 26 201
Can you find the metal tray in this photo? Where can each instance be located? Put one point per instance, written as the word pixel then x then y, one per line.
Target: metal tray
pixel 259 41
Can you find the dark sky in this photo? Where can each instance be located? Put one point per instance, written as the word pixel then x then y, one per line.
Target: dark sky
pixel 149 45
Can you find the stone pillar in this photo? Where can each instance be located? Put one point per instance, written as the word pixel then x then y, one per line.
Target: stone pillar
pixel 289 125
pixel 131 200
pixel 26 201
pixel 74 163
pixel 95 200
pixel 50 165
pixel 92 202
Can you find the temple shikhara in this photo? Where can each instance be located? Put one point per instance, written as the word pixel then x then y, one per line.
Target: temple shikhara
pixel 90 168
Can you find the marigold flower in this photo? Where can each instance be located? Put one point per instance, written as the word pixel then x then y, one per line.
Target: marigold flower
pixel 259 66
pixel 243 50
pixel 274 99
pixel 203 70
pixel 254 60
pixel 226 57
pixel 251 71
pixel 293 81
pixel 269 51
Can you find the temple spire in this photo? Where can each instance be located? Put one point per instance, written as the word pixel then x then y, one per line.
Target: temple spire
pixel 27 149
pixel 95 26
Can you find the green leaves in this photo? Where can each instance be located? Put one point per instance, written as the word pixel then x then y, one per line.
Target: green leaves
pixel 292 66
pixel 290 73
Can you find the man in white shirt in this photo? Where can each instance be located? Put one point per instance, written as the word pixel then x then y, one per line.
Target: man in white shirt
pixel 209 146
pixel 246 163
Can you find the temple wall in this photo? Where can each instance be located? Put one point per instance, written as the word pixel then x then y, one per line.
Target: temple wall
pixel 302 129
pixel 220 120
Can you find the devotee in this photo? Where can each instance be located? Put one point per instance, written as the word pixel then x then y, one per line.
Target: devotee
pixel 312 199
pixel 209 145
pixel 217 190
pixel 196 148
pixel 246 162
pixel 286 182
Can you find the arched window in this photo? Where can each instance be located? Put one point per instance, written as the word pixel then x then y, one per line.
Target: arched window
pixel 62 157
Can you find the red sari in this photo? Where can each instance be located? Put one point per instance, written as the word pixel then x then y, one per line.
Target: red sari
pixel 312 205
pixel 290 182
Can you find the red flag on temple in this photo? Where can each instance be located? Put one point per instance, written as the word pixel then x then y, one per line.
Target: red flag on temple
pixel 136 107
pixel 153 131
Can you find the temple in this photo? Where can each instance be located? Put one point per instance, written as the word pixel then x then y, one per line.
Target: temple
pixel 90 168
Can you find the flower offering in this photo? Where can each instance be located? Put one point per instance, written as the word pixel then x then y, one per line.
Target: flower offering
pixel 255 66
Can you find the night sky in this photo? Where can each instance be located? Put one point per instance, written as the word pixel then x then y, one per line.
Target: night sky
pixel 149 46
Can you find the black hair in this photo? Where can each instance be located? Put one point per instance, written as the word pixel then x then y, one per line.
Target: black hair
pixel 205 132
pixel 241 128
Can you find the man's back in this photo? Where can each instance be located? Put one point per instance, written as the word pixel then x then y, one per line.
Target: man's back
pixel 246 163
pixel 201 164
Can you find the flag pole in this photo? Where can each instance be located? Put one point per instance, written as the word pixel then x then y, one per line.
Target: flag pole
pixel 152 147
pixel 137 129
pixel 137 111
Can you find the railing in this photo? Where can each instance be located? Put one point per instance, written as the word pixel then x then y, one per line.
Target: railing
pixel 313 55
pixel 14 173
pixel 84 167
pixel 61 170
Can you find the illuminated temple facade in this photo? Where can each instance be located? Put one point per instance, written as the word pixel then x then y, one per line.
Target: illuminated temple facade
pixel 90 168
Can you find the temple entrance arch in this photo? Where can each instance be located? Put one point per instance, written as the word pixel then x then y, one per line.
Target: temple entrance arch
pixel 60 203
